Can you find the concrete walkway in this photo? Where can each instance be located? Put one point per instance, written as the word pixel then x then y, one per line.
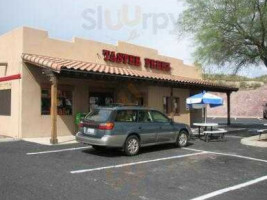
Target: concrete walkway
pixel 46 140
pixel 7 139
pixel 254 141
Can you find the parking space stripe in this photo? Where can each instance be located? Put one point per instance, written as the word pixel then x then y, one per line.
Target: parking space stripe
pixel 228 154
pixel 135 163
pixel 236 187
pixel 56 151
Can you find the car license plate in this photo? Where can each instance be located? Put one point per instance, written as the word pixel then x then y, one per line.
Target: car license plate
pixel 89 131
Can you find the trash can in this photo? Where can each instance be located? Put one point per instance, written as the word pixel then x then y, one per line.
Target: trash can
pixel 78 118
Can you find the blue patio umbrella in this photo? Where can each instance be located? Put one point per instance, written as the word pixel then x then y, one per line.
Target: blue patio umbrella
pixel 202 100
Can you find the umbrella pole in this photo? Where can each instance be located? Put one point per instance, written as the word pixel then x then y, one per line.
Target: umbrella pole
pixel 203 110
pixel 205 114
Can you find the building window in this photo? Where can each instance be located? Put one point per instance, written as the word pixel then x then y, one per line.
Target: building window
pixel 176 105
pixel 100 99
pixel 64 102
pixel 5 105
pixel 171 105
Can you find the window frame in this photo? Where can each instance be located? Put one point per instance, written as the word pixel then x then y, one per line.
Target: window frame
pixel 148 112
pixel 126 121
pixel 61 88
pixel 168 119
pixel 8 99
pixel 171 106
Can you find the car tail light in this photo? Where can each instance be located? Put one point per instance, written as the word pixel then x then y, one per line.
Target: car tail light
pixel 106 126
pixel 81 124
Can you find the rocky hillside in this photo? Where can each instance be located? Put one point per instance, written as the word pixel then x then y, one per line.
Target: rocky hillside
pixel 237 81
pixel 244 103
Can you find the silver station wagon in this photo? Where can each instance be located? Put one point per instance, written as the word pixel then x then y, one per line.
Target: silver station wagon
pixel 129 128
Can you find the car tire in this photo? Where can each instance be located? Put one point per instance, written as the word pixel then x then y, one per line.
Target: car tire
pixel 132 145
pixel 182 139
pixel 98 148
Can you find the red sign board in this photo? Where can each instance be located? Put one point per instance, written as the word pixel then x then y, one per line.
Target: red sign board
pixel 112 56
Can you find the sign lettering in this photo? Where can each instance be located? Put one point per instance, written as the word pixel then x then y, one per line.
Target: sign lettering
pixel 128 59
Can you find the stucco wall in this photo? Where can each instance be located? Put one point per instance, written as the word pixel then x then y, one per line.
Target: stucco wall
pixel 155 100
pixel 26 119
pixel 36 125
pixel 11 50
pixel 38 42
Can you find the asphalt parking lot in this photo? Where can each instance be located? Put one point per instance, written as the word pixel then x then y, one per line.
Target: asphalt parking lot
pixel 214 170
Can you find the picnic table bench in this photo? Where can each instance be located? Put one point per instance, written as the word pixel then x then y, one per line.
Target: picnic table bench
pixel 219 133
pixel 205 126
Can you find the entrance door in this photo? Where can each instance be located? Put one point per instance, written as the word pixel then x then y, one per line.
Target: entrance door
pixel 100 99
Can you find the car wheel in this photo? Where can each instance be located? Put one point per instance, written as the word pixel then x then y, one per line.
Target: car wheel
pixel 98 148
pixel 182 139
pixel 132 145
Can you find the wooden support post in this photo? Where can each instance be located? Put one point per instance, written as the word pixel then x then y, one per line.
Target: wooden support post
pixel 228 108
pixel 53 139
pixel 171 99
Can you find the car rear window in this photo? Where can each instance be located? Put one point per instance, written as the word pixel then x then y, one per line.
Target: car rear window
pixel 98 115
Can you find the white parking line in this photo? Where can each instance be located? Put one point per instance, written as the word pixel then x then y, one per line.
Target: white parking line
pixel 135 163
pixel 236 187
pixel 56 151
pixel 228 154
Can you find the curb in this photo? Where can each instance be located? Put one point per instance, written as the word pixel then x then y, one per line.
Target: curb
pixel 254 141
pixel 232 129
pixel 2 140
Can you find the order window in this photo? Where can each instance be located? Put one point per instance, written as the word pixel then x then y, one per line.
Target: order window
pixel 171 105
pixel 64 102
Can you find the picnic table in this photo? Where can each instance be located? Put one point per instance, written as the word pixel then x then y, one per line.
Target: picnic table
pixel 205 126
pixel 261 131
pixel 220 134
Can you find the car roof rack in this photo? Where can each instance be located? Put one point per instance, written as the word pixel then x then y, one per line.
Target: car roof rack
pixel 121 105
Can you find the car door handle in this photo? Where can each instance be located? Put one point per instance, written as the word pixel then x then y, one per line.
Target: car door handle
pixel 140 127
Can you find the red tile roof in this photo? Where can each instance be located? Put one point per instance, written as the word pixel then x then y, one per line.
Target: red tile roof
pixel 58 64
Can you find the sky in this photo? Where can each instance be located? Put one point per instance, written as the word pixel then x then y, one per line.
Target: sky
pixel 149 23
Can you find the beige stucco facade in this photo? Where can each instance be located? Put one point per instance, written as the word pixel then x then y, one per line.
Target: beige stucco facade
pixel 26 119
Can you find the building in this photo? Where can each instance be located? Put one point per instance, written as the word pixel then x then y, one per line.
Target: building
pixel 44 82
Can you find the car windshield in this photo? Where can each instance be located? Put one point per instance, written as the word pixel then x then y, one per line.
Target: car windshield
pixel 98 115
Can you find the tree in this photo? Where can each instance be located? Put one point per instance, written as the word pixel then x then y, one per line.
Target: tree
pixel 227 31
